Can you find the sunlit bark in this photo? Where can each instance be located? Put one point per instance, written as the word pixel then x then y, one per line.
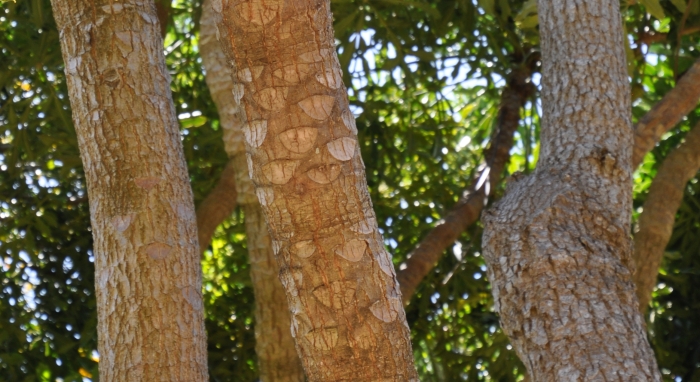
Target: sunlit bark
pixel 147 269
pixel 304 159
pixel 277 358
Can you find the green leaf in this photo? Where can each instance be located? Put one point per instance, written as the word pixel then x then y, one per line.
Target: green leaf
pixel 193 122
pixel 654 8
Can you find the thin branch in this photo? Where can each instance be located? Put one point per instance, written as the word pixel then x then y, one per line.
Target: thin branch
pixel 217 206
pixel 659 213
pixel 468 209
pixel 667 113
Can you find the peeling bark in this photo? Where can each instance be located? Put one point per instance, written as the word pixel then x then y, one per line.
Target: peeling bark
pixel 303 157
pixel 217 206
pixel 468 209
pixel 659 213
pixel 277 357
pixel 667 113
pixel 557 245
pixel 147 269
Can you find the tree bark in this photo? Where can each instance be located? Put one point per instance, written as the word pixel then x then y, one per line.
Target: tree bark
pixel 557 245
pixel 659 213
pixel 667 113
pixel 217 206
pixel 277 358
pixel 147 269
pixel 466 212
pixel 304 159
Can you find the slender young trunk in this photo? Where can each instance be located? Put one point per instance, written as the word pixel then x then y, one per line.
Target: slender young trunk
pixel 659 213
pixel 303 156
pixel 557 245
pixel 147 270
pixel 277 358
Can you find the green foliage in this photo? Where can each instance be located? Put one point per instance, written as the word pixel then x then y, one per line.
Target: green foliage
pixel 424 78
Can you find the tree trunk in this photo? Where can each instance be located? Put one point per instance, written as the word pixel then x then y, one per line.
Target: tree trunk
pixel 277 358
pixel 557 245
pixel 147 269
pixel 303 156
pixel 659 213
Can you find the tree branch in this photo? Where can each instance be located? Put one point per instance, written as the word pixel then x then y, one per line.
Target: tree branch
pixel 667 113
pixel 650 38
pixel 217 206
pixel 467 210
pixel 659 213
pixel 662 117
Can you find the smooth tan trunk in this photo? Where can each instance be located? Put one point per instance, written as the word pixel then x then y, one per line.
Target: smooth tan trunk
pixel 304 159
pixel 147 269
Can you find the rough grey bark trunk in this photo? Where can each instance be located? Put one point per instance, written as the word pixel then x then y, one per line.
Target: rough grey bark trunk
pixel 659 213
pixel 147 269
pixel 303 156
pixel 277 358
pixel 557 245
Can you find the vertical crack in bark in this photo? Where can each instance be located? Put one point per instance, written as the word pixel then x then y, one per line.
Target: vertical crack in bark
pixel 347 318
pixel 659 213
pixel 277 357
pixel 147 269
pixel 557 245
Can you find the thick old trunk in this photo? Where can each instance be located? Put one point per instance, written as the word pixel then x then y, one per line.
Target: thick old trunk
pixel 277 358
pixel 303 156
pixel 659 213
pixel 147 269
pixel 557 245
pixel 466 212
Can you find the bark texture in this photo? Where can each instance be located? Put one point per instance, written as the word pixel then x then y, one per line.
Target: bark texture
pixel 217 206
pixel 557 245
pixel 468 209
pixel 303 157
pixel 277 358
pixel 667 113
pixel 147 269
pixel 659 213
